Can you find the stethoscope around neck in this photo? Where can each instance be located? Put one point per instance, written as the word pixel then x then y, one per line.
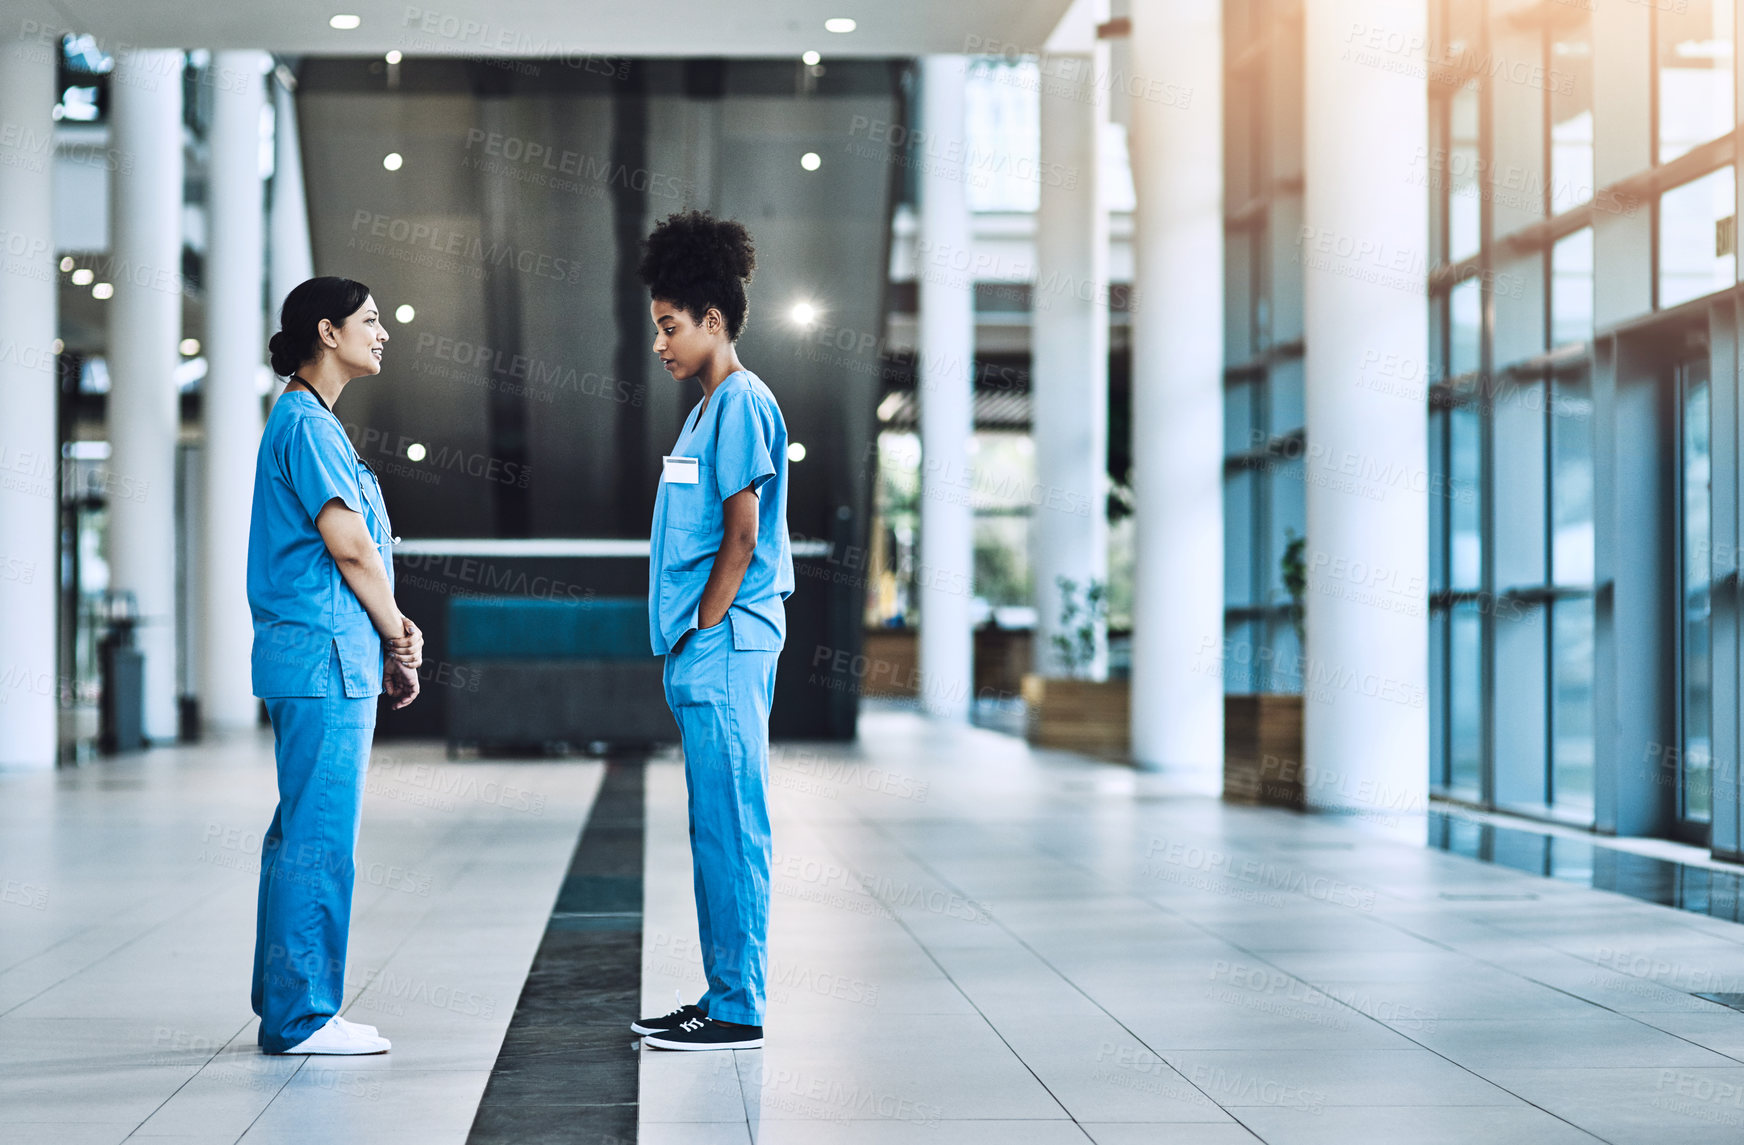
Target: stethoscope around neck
pixel 355 456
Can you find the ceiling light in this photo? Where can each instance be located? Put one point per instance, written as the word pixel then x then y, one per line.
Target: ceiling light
pixel 189 347
pixel 84 276
pixel 795 451
pixel 394 56
pixel 102 290
pixel 66 263
pixel 415 452
pixel 392 161
pixel 811 161
pixel 811 59
pixel 344 22
pixel 803 313
pixel 404 312
pixel 840 24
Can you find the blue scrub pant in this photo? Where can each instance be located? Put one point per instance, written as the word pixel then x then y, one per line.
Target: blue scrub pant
pixel 720 696
pixel 306 862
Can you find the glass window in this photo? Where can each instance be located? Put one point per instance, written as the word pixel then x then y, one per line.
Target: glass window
pixel 1239 431
pixel 1461 180
pixel 1571 481
pixel 1571 115
pixel 1465 701
pixel 1239 653
pixel 1238 538
pixel 1697 576
pixel 1571 699
pixel 1465 542
pixel 1571 288
pixel 1464 326
pixel 1697 253
pixel 1695 74
pixel 1285 386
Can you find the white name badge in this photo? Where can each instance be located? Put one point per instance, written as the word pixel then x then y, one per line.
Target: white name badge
pixel 679 470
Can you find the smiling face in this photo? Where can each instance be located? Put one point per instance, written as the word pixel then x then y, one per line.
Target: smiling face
pixel 685 346
pixel 358 343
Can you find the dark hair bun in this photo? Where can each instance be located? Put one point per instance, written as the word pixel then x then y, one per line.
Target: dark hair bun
pixel 334 299
pixel 696 261
pixel 284 360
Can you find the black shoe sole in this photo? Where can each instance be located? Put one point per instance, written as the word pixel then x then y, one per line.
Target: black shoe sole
pixel 660 1044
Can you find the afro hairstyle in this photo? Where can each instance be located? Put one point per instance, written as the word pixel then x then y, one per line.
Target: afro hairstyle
pixel 696 261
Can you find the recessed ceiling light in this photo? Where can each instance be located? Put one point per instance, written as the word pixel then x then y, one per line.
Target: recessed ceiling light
pixel 811 161
pixel 405 313
pixel 59 345
pixel 189 347
pixel 66 263
pixel 840 24
pixel 102 290
pixel 795 451
pixel 344 22
pixel 803 313
pixel 394 56
pixel 84 276
pixel 415 452
pixel 392 161
pixel 811 59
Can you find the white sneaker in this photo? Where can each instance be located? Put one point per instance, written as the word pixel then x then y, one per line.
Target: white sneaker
pixel 334 1038
pixel 360 1027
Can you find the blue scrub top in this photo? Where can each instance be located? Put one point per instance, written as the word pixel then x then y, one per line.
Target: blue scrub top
pixel 738 442
pixel 301 604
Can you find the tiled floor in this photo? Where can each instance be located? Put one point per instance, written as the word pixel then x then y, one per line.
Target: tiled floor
pixel 971 943
pixel 976 943
pixel 127 928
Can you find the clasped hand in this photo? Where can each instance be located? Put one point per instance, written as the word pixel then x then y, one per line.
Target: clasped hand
pixel 401 658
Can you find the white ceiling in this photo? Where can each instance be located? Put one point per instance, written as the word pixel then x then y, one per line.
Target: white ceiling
pixel 553 27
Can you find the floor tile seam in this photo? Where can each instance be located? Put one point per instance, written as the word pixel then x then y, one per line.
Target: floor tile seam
pixel 464 868
pixel 498 827
pixel 131 1136
pixel 923 865
pixel 1066 1114
pixel 1261 959
pixel 110 953
pixel 1399 1032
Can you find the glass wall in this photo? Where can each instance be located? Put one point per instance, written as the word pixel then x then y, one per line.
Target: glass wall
pixel 1264 443
pixel 1550 360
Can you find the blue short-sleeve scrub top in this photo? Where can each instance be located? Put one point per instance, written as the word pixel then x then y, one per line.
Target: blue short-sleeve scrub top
pixel 303 609
pixel 738 442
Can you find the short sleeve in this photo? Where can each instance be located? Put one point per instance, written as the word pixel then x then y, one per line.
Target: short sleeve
pixel 742 457
pixel 317 462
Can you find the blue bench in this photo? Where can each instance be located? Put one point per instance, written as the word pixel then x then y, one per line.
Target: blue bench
pixel 551 675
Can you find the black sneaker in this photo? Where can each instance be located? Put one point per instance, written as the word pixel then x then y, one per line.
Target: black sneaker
pixel 707 1034
pixel 664 1022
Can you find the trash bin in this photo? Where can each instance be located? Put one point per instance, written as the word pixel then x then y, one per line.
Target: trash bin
pixel 121 714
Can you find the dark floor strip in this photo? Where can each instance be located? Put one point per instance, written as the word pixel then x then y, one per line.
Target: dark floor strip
pixel 567 1071
pixel 1703 890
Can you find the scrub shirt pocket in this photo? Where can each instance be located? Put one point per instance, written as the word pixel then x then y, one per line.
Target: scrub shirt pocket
pixel 693 508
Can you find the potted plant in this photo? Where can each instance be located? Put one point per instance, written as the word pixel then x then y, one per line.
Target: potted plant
pixel 1262 731
pixel 1074 711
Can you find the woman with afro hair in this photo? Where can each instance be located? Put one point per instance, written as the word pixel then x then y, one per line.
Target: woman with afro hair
pixel 719 568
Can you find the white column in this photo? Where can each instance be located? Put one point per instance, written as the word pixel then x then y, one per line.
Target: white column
pixel 144 328
pixel 946 577
pixel 235 349
pixel 29 452
pixel 292 260
pixel 1364 250
pixel 1069 327
pixel 1177 389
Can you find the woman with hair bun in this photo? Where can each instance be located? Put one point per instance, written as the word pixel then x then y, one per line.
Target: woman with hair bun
pixel 327 636
pixel 719 569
